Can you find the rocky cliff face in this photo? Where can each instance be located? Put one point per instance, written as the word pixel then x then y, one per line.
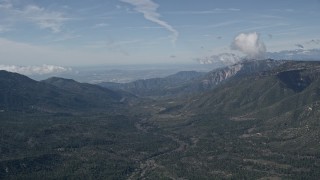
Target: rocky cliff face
pixel 215 77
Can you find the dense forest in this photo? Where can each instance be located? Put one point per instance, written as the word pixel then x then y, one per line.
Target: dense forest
pixel 259 122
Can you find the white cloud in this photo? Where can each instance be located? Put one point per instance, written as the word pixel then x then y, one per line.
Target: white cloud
pixel 34 70
pixel 249 44
pixel 149 9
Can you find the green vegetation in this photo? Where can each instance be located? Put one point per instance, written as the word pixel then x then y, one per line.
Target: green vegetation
pixel 256 126
pixel 88 146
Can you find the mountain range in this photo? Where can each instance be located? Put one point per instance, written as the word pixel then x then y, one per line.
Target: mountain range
pixel 251 120
pixel 20 93
pixel 190 82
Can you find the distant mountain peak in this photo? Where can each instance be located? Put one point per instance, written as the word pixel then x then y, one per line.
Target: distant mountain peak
pixel 59 79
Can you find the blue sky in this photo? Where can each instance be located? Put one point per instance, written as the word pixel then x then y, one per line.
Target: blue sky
pixel 98 32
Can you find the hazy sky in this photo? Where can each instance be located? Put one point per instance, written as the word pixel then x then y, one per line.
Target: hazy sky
pixel 92 32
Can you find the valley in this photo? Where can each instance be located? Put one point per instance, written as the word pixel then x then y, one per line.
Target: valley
pixel 252 120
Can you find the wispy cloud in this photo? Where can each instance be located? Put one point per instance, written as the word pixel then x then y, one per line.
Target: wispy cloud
pixel 211 26
pixel 283 10
pixel 292 31
pixel 4 28
pixel 5 4
pixel 42 17
pixel 268 16
pixel 111 43
pixel 213 11
pixel 65 37
pixel 263 27
pixel 100 25
pixel 223 24
pixel 149 10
